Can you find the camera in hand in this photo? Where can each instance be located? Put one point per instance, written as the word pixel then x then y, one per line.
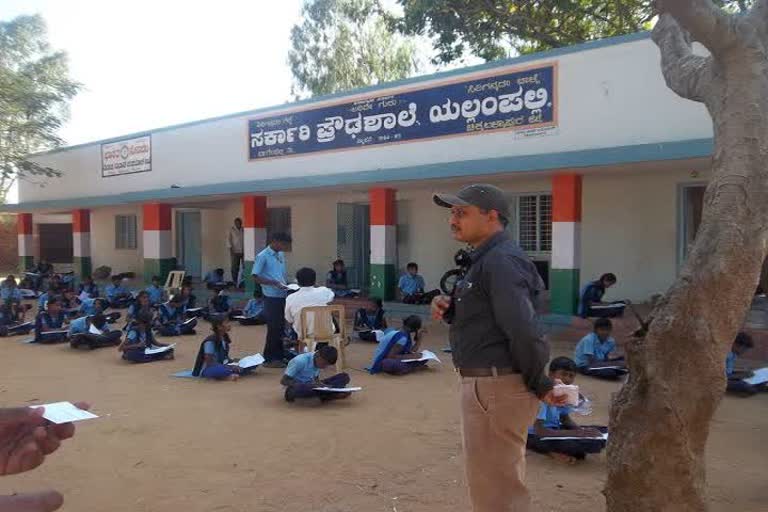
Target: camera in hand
pixel 451 279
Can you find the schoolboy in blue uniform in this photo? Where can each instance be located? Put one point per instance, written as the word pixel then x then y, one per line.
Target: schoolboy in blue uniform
pixel 253 312
pixel 172 321
pixel 303 375
pixel 118 295
pixel 411 286
pixel 155 292
pixel 736 384
pixel 80 333
pixel 50 324
pixel 88 287
pixel 593 353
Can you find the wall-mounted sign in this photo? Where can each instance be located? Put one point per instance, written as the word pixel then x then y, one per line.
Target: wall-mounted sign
pixel 126 156
pixel 503 99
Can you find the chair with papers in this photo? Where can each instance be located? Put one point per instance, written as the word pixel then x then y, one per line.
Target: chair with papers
pixel 319 325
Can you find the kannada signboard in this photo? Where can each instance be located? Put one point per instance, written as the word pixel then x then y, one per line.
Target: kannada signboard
pixel 506 100
pixel 126 156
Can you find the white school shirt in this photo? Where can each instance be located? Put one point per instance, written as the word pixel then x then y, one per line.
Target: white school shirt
pixel 306 296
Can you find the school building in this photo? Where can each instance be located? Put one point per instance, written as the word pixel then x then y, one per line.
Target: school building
pixel 604 166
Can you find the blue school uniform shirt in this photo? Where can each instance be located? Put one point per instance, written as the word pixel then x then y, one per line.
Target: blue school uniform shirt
pixel 112 291
pixel 45 321
pixel 10 294
pixel 155 294
pixel 88 307
pixel 254 308
pixel 170 314
pixel 590 346
pixel 209 349
pixel 730 364
pixel 411 285
pixel 550 415
pixel 302 368
pixel 134 336
pixel 388 341
pixel 42 301
pixel 213 277
pixel 82 326
pixel 270 264
pixel 91 289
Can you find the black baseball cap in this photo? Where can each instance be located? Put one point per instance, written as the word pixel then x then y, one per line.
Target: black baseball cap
pixel 486 197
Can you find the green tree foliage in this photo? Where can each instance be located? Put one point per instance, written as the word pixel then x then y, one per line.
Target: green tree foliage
pixel 345 44
pixel 495 29
pixel 35 90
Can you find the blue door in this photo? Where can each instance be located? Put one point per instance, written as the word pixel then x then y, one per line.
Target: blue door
pixel 189 243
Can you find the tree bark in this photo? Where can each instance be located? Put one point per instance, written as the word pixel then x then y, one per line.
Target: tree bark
pixel 660 418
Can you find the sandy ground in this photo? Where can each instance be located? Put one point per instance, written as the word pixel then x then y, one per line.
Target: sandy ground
pixel 166 444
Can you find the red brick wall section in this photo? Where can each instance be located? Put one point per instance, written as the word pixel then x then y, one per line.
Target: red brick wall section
pixel 9 251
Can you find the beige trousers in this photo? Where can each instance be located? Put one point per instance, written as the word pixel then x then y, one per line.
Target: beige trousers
pixel 495 415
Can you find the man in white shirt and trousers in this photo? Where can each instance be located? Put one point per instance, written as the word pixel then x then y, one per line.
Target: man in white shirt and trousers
pixel 308 295
pixel 235 246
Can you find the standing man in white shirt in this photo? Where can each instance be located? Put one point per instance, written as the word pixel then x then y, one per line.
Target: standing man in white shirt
pixel 308 295
pixel 235 246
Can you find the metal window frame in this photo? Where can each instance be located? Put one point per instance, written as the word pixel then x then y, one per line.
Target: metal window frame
pixel 122 235
pixel 514 200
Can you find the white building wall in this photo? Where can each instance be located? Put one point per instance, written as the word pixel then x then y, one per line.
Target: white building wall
pixel 103 250
pixel 609 96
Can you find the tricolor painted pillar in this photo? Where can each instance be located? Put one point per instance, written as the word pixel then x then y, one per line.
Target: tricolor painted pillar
pixel 26 247
pixel 254 235
pixel 383 243
pixel 157 238
pixel 566 243
pixel 81 243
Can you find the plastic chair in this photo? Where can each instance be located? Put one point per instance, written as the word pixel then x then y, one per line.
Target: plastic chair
pixel 321 321
pixel 174 280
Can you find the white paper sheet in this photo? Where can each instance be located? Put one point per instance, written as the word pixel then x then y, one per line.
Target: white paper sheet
pixel 251 361
pixel 601 436
pixel 426 355
pixel 64 412
pixel 338 390
pixel 613 305
pixel 614 367
pixel 158 350
pixel 293 286
pixel 57 331
pixel 571 391
pixel 94 330
pixel 760 377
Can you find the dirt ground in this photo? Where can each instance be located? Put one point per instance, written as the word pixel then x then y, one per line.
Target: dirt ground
pixel 167 444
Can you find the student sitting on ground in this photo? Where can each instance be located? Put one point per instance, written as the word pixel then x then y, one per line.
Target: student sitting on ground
pixel 141 306
pixel 591 303
pixel 218 304
pixel 411 286
pixel 80 333
pixel 368 320
pixel 118 295
pixel 10 296
pixel 555 422
pixel 90 307
pixel 397 345
pixel 213 360
pixel 10 325
pixel 70 304
pixel 302 376
pixel 593 353
pixel 172 321
pixel 736 384
pixel 215 278
pixel 88 288
pixel 189 302
pixel 336 280
pixel 38 273
pixel 253 314
pixel 155 292
pixel 138 339
pixel 308 295
pixel 50 324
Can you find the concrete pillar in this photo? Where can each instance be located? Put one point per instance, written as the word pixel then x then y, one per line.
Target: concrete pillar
pixel 158 246
pixel 26 245
pixel 383 243
pixel 566 243
pixel 81 243
pixel 254 235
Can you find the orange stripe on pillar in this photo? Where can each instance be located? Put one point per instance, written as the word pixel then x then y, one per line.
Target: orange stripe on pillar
pixel 566 198
pixel 81 221
pixel 157 217
pixel 383 212
pixel 254 211
pixel 24 223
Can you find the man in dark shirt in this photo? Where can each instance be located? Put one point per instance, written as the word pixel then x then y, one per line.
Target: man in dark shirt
pixel 497 349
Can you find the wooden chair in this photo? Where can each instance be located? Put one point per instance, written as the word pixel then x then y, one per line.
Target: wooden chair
pixel 322 320
pixel 174 280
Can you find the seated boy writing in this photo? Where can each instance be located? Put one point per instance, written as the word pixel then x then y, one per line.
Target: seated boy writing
pixel 88 288
pixel 9 323
pixel 90 307
pixel 155 292
pixel 253 313
pixel 396 346
pixel 81 334
pixel 308 295
pixel 302 376
pixel 370 320
pixel 70 304
pixel 218 304
pixel 736 384
pixel 119 296
pixel 336 280
pixel 591 303
pixel 554 423
pixel 593 353
pixel 50 324
pixel 172 320
pixel 215 278
pixel 10 297
pixel 138 339
pixel 411 286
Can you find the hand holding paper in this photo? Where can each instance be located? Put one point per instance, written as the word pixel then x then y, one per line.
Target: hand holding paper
pixel 426 355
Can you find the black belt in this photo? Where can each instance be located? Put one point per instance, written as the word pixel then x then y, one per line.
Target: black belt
pixel 485 372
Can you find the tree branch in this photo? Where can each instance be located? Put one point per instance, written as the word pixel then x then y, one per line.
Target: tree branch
pixel 685 73
pixel 758 16
pixel 706 22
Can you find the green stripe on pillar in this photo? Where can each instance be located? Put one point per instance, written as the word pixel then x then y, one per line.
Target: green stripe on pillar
pixel 250 284
pixel 383 281
pixel 158 267
pixel 26 263
pixel 564 287
pixel 82 266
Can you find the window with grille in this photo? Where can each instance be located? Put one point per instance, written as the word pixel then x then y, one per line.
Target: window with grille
pixel 279 221
pixel 125 232
pixel 534 222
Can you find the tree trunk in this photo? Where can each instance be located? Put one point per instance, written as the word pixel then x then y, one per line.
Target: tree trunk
pixel 660 419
